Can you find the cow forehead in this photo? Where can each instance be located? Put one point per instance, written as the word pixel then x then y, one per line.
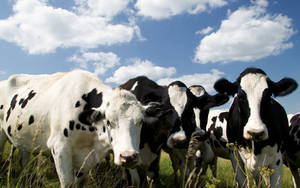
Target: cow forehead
pixel 254 85
pixel 178 97
pixel 123 104
pixel 197 90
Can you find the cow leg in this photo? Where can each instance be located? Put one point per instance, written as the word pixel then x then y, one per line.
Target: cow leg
pixel 3 139
pixel 23 157
pixel 213 166
pixel 63 162
pixel 153 172
pixel 238 168
pixel 276 177
pixel 296 176
pixel 132 177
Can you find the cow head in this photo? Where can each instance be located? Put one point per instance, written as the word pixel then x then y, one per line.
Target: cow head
pixel 184 102
pixel 252 92
pixel 119 120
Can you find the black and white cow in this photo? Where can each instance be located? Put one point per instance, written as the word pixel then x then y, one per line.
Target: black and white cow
pixel 74 117
pixel 176 123
pixel 257 123
pixel 292 159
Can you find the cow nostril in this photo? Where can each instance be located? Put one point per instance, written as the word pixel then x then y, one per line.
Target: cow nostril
pixel 256 135
pixel 129 159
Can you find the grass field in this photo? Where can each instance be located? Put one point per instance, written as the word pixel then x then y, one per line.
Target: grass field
pixel 40 172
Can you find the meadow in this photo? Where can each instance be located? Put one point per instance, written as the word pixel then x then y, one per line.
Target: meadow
pixel 40 172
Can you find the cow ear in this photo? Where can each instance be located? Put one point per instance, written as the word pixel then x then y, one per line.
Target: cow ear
pixel 283 87
pixel 208 101
pixel 224 86
pixel 90 116
pixel 153 111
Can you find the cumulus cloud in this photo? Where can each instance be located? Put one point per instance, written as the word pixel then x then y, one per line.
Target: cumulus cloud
pixel 248 34
pixel 138 68
pixel 166 8
pixel 99 60
pixel 206 80
pixel 40 28
pixel 204 31
pixel 104 8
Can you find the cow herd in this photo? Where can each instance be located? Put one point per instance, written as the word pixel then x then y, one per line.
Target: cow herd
pixel 78 120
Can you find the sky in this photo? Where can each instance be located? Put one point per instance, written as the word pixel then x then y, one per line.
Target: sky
pixel 194 41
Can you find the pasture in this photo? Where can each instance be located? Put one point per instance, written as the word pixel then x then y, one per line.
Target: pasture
pixel 40 172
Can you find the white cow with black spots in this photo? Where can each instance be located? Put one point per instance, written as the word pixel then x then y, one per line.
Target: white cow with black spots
pixel 75 117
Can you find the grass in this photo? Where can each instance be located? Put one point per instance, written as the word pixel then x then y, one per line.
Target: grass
pixel 40 172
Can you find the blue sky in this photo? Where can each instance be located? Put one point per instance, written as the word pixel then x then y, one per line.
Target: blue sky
pixel 195 41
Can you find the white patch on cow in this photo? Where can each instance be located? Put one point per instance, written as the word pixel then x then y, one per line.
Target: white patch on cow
pixel 147 156
pixel 197 91
pixel 178 98
pixel 177 137
pixel 254 85
pixel 134 86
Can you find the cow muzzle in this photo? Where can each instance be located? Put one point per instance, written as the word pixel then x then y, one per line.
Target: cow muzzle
pixel 129 159
pixel 178 143
pixel 257 135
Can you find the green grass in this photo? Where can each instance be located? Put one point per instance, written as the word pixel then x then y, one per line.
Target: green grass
pixel 40 172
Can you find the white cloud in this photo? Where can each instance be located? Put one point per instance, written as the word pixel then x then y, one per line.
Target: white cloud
pixel 204 31
pixel 139 68
pixel 40 28
pixel 161 9
pixel 104 8
pixel 206 80
pixel 100 60
pixel 248 34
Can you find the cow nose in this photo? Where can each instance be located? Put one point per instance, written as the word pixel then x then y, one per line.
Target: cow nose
pixel 129 159
pixel 179 143
pixel 255 135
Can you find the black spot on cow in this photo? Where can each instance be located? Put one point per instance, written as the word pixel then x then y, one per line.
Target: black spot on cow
pixel 21 101
pixel 12 106
pixel 13 102
pixel 1 107
pixel 31 94
pixel 71 124
pixel 92 99
pixel 278 162
pixel 9 130
pixel 111 139
pixel 83 128
pixel 217 144
pixel 78 174
pixel 103 129
pixel 78 126
pixel 66 132
pixel 77 104
pixel 213 125
pixel 31 120
pixel 19 127
pixel 53 151
pixel 8 114
pixel 92 129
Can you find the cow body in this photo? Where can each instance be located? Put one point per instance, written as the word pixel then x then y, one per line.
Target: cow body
pixel 74 117
pixel 176 124
pixel 257 123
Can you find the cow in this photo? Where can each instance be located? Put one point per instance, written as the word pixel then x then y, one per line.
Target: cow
pixel 212 140
pixel 74 117
pixel 292 157
pixel 176 124
pixel 216 145
pixel 257 124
